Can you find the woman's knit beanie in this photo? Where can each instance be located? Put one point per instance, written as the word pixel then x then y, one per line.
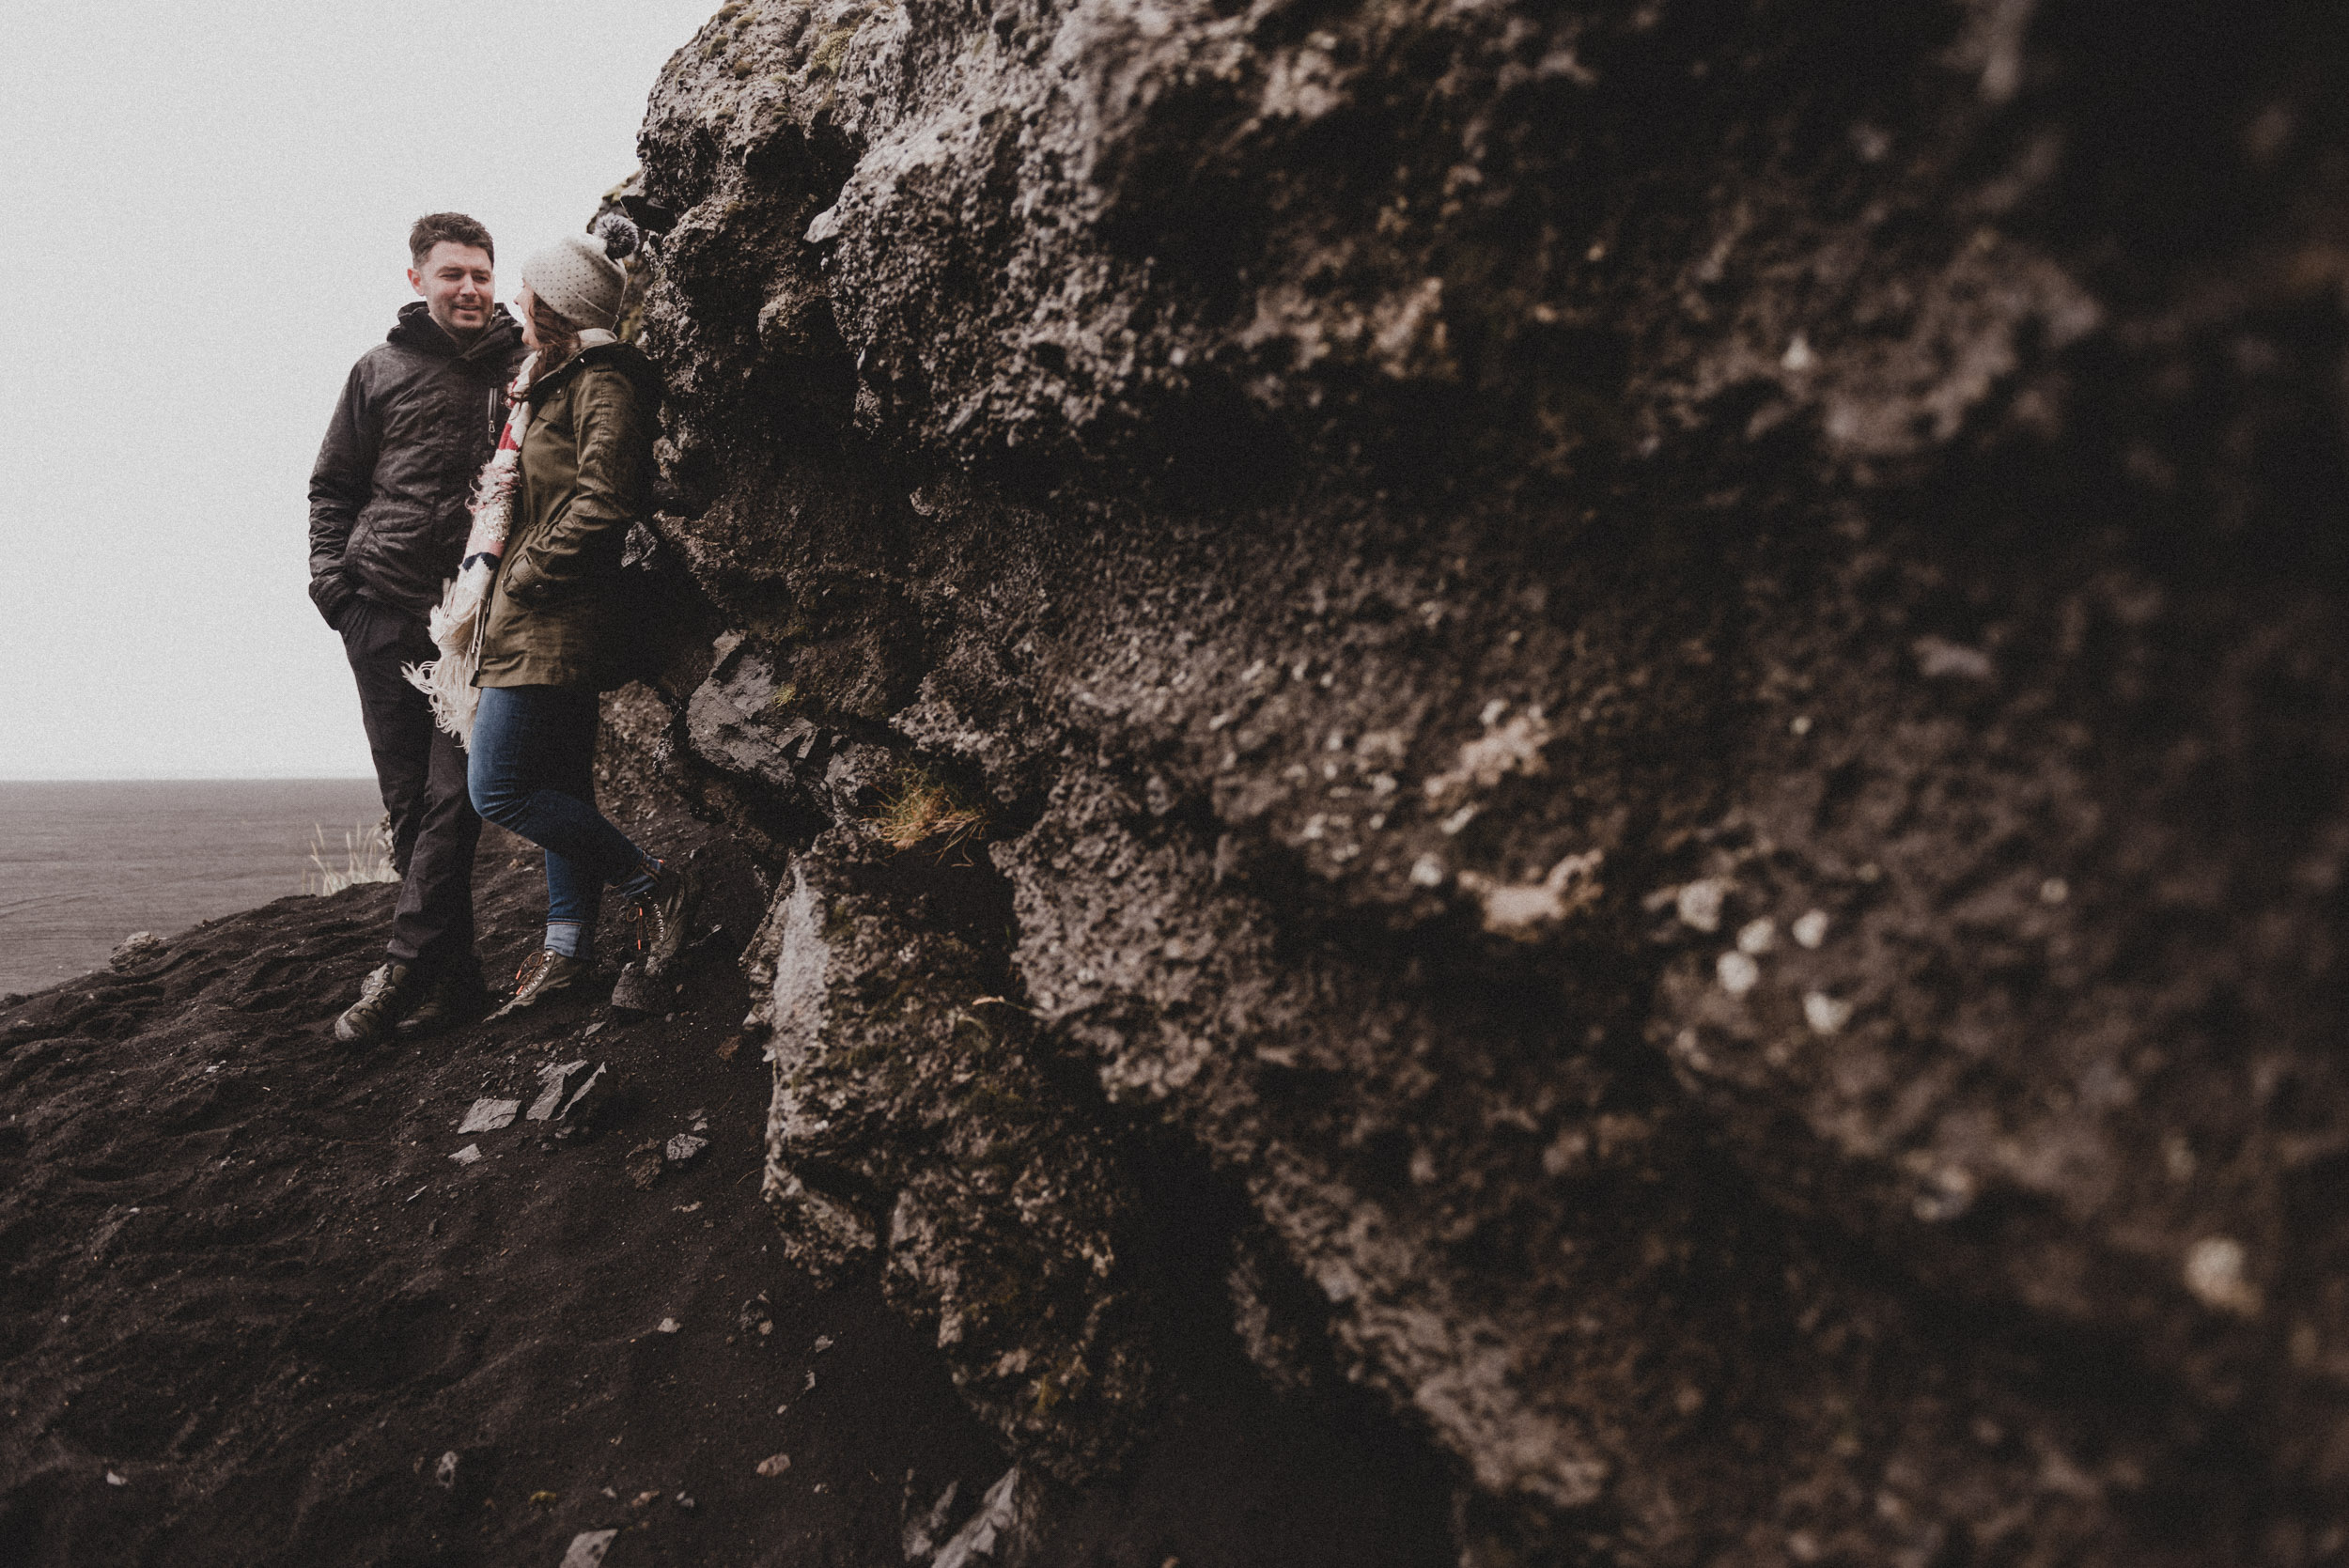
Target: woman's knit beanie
pixel 580 276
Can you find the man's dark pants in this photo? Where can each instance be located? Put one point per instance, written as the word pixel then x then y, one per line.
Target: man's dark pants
pixel 420 770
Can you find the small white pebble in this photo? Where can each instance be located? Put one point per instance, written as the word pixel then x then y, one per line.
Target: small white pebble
pixel 774 1464
pixel 1799 357
pixel 2178 1154
pixel 667 1326
pixel 1699 904
pixel 1428 872
pixel 2214 1272
pixel 467 1155
pixel 2055 890
pixel 1738 973
pixel 1824 1014
pixel 114 1480
pixel 1799 724
pixel 823 1343
pixel 1757 937
pixel 1811 930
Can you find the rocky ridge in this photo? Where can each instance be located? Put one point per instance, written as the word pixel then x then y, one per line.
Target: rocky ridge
pixel 1656 690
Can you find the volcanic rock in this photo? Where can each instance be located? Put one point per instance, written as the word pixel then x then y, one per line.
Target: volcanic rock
pixel 1412 529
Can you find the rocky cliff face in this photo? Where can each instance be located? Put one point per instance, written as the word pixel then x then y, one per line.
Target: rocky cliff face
pixel 1625 719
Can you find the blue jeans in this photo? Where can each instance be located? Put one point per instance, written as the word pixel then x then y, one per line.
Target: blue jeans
pixel 531 770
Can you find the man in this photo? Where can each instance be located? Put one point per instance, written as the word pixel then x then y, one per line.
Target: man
pixel 418 417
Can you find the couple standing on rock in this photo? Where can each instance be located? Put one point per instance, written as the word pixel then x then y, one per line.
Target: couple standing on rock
pixel 467 515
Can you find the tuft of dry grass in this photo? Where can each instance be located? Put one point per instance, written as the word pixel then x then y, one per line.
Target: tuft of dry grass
pixel 925 809
pixel 366 857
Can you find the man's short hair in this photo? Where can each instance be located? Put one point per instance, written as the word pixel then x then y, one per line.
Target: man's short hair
pixel 455 227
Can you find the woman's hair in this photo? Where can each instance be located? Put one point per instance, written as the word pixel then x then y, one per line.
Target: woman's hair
pixel 558 339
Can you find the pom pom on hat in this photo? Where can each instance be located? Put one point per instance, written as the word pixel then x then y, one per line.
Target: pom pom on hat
pixel 580 276
pixel 621 238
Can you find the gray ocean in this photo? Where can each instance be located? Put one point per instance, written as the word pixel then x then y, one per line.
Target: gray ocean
pixel 83 865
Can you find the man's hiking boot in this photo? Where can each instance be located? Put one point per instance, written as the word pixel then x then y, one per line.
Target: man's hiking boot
pixel 453 994
pixel 665 917
pixel 385 996
pixel 544 975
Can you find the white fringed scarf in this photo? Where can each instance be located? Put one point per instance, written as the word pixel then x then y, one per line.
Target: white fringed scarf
pixel 456 625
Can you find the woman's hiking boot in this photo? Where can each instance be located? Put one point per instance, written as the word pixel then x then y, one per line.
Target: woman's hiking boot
pixel 544 975
pixel 385 996
pixel 665 917
pixel 453 994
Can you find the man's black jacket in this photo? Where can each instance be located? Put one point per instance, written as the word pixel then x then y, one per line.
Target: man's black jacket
pixel 388 499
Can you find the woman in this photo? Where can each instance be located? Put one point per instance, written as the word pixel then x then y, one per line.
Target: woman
pixel 548 631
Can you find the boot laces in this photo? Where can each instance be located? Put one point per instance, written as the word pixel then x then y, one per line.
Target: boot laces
pixel 532 967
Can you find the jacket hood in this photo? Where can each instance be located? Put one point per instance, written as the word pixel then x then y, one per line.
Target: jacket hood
pixel 627 359
pixel 499 342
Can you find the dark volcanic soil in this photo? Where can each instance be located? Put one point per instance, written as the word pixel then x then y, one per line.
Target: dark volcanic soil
pixel 242 1275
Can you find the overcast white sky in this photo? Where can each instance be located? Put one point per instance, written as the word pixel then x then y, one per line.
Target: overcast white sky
pixel 207 207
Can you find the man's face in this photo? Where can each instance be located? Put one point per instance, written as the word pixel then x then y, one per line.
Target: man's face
pixel 456 282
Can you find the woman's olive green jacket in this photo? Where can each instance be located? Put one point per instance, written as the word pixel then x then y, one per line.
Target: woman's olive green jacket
pixel 586 473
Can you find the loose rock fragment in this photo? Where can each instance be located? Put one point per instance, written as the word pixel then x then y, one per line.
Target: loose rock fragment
pixel 1525 911
pixel 588 1548
pixel 467 1155
pixel 1811 930
pixel 682 1149
pixel 2215 1273
pixel 488 1116
pixel 667 1326
pixel 588 1098
pixel 112 1479
pixel 445 1472
pixel 774 1464
pixel 636 992
pixel 558 1081
pixel 757 1316
pixel 134 947
pixel 1824 1012
pixel 1737 973
pixel 919 1536
pixel 644 1164
pixel 1938 658
pixel 1699 904
pixel 980 1535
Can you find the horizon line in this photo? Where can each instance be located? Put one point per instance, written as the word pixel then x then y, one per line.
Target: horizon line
pixel 189 778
